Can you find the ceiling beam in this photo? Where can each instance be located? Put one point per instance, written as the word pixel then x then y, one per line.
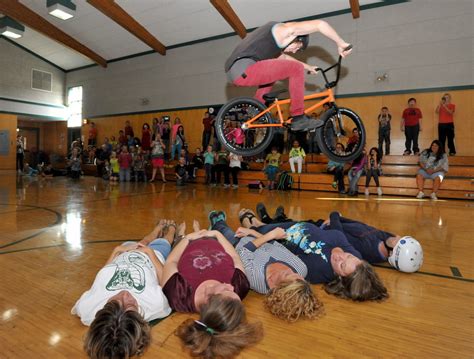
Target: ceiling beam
pixel 355 8
pixel 23 14
pixel 230 16
pixel 110 9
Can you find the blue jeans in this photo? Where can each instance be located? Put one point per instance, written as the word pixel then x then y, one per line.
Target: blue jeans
pixel 176 146
pixel 226 231
pixel 124 174
pixel 269 227
pixel 354 179
pixel 159 245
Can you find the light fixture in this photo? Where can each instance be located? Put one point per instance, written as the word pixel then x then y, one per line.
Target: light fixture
pixel 62 9
pixel 11 28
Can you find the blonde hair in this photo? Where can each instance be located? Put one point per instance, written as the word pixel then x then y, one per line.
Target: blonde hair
pixel 222 330
pixel 291 300
pixel 363 284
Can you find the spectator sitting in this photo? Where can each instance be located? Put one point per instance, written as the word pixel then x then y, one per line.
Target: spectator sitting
pixel 433 165
pixel 356 171
pixel 373 169
pixel 29 171
pixel 296 155
pixel 337 168
pixel 180 172
pixel 47 171
pixel 197 162
pixel 75 164
pixel 353 140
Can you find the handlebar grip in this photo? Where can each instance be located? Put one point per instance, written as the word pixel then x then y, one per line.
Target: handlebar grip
pixel 348 47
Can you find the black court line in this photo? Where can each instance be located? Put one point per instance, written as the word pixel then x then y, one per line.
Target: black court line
pixel 66 244
pixel 58 220
pixel 430 274
pixel 456 272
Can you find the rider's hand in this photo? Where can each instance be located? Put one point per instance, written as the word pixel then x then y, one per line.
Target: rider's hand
pixel 312 70
pixel 341 47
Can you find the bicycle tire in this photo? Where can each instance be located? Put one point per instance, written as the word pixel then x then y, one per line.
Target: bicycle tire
pixel 325 143
pixel 236 106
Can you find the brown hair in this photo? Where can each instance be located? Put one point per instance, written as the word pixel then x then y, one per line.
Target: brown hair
pixel 225 332
pixel 363 284
pixel 291 300
pixel 116 333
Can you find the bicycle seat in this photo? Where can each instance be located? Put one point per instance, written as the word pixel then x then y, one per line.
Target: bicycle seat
pixel 271 96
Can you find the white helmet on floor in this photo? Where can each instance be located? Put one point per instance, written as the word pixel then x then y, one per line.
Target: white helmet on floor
pixel 407 255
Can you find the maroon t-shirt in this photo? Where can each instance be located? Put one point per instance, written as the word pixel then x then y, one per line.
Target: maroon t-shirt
pixel 202 260
pixel 125 160
pixel 412 116
pixel 206 121
pixel 129 131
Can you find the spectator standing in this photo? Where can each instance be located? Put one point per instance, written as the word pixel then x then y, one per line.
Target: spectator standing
pixel 208 124
pixel 271 166
pixel 129 130
pixel 178 142
pixel 139 164
pixel 235 164
pixel 122 141
pixel 197 162
pixel 146 138
pixel 92 135
pixel 434 166
pixel 445 110
pixel 114 167
pixel 102 156
pixel 384 130
pixel 222 166
pixel 209 158
pixel 20 153
pixel 125 162
pixel 165 135
pixel 411 125
pixel 158 157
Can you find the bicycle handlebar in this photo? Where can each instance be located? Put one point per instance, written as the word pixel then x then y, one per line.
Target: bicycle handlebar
pixel 338 65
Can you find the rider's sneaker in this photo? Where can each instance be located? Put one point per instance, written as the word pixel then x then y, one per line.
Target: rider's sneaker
pixel 304 123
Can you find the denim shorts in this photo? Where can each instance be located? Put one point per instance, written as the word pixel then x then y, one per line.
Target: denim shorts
pixel 159 245
pixel 432 176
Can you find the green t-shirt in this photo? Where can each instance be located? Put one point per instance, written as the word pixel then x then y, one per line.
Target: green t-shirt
pixel 273 159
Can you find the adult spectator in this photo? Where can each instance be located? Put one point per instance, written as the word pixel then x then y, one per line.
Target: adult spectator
pixel 208 123
pixel 102 156
pixel 128 130
pixel 146 138
pixel 92 139
pixel 434 166
pixel 20 153
pixel 411 125
pixel 445 110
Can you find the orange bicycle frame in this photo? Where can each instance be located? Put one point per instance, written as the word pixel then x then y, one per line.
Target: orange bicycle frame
pixel 328 96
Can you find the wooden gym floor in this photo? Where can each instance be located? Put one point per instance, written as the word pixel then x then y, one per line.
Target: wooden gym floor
pixel 56 235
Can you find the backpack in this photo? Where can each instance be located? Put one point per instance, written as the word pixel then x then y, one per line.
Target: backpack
pixel 285 182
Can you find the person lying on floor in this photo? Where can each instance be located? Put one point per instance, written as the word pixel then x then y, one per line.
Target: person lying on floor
pixel 125 296
pixel 204 274
pixel 328 255
pixel 375 245
pixel 272 270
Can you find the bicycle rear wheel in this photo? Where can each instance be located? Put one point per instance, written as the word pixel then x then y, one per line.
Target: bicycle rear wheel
pixel 340 127
pixel 232 116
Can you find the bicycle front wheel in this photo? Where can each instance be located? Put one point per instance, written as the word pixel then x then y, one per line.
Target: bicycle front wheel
pixel 344 127
pixel 235 137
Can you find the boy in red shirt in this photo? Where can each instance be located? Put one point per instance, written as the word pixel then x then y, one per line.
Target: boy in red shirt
pixel 411 125
pixel 446 110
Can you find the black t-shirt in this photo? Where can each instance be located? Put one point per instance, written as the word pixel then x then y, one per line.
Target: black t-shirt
pixel 180 170
pixel 198 161
pixel 313 246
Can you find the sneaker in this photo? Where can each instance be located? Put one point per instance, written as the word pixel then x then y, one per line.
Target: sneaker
pixel 226 185
pixel 420 195
pixel 304 123
pixel 406 153
pixel 234 186
pixel 379 191
pixel 262 213
pixel 452 153
pixel 280 212
pixel 417 153
pixel 334 185
pixel 216 216
pixel 367 192
pixel 434 197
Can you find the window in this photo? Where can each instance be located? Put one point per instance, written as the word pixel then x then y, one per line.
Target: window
pixel 74 102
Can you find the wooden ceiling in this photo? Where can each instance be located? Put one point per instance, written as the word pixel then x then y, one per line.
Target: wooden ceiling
pixel 97 30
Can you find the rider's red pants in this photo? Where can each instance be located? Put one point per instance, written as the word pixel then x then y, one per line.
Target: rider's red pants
pixel 265 73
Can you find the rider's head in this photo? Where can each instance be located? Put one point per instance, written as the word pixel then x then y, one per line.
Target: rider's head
pixel 300 43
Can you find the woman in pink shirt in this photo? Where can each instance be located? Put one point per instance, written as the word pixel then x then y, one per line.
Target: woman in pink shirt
pixel 204 274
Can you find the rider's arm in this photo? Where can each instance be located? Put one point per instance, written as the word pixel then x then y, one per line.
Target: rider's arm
pixel 288 31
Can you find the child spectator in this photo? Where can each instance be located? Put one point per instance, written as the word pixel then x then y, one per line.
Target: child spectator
pixel 235 164
pixel 384 130
pixel 180 172
pixel 337 168
pixel 209 157
pixel 165 136
pixel 271 166
pixel 411 125
pixel 297 155
pixel 92 135
pixel 353 140
pixel 222 166
pixel 446 110
pixel 434 166
pixel 125 162
pixel 197 162
pixel 129 129
pixel 207 123
pixel 113 142
pixel 75 163
pixel 122 141
pixel 30 171
pixel 356 171
pixel 139 165
pixel 373 169
pixel 47 171
pixel 146 138
pixel 114 167
pixel 158 157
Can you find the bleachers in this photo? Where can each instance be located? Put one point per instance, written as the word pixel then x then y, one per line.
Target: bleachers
pixel 398 179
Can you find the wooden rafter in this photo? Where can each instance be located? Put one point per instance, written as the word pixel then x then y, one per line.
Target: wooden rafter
pixel 355 8
pixel 230 16
pixel 110 9
pixel 26 16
